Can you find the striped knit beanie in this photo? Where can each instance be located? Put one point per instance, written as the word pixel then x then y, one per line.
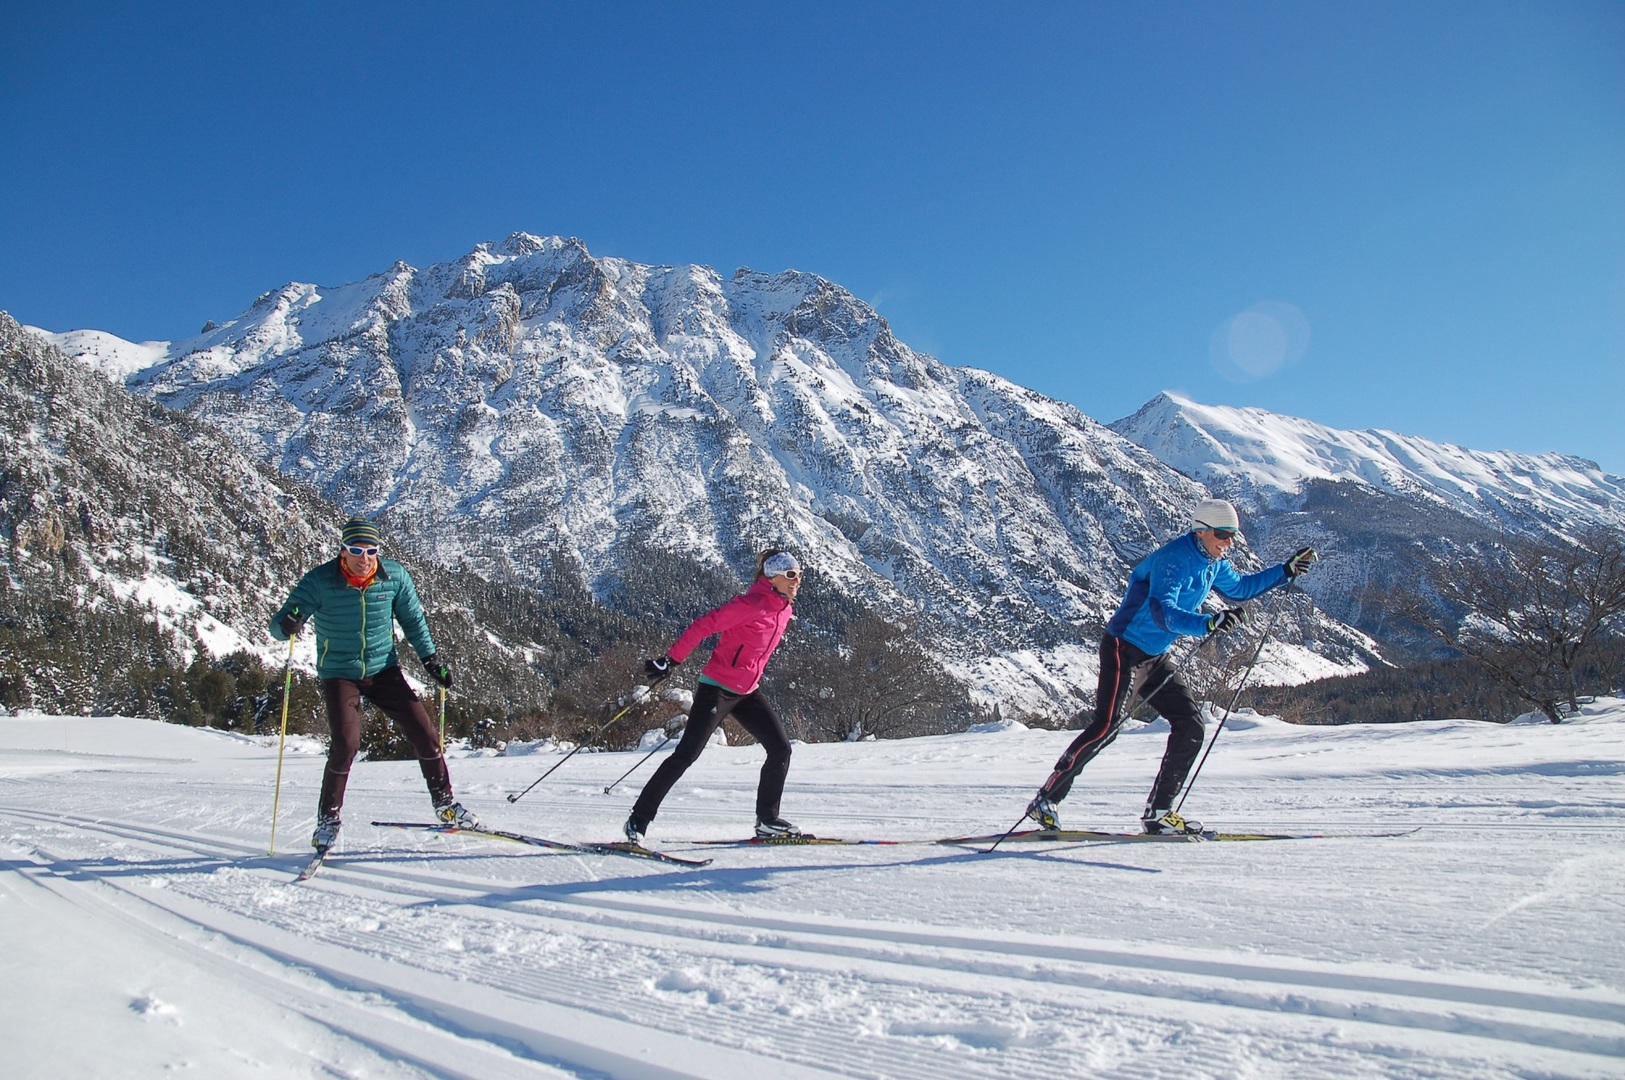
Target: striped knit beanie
pixel 358 530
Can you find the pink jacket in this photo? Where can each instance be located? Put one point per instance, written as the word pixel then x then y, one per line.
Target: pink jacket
pixel 751 624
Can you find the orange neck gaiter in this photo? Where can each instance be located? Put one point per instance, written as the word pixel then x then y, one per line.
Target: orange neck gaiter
pixel 358 582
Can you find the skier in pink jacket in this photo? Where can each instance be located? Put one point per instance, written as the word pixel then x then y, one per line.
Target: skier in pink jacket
pixel 750 626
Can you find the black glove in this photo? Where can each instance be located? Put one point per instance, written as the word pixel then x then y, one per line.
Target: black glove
pixel 291 623
pixel 439 672
pixel 1222 622
pixel 1301 560
pixel 660 668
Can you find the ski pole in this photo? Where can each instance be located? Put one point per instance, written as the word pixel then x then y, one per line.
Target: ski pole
pixel 1007 833
pixel 1275 609
pixel 287 689
pixel 639 765
pixel 441 693
pixel 607 725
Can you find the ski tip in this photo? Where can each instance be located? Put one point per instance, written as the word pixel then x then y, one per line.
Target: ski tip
pixel 623 847
pixel 308 871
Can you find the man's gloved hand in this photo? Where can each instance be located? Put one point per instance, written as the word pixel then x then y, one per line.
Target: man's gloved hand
pixel 291 623
pixel 1222 622
pixel 659 668
pixel 439 672
pixel 1301 560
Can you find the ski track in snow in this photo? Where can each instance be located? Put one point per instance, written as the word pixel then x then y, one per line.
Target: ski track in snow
pixel 1483 945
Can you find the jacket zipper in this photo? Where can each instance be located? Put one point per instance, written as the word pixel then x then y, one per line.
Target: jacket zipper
pixel 364 633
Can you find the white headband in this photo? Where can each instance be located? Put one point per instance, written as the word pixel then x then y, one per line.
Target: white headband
pixel 779 564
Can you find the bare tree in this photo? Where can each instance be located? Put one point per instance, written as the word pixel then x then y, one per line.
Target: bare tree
pixel 1534 615
pixel 878 682
pixel 890 684
pixel 592 694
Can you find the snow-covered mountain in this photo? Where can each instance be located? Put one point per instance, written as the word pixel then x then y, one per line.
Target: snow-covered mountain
pixel 136 541
pixel 1381 505
pixel 530 404
pixel 108 502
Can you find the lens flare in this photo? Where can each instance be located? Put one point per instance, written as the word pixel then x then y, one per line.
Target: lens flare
pixel 1256 343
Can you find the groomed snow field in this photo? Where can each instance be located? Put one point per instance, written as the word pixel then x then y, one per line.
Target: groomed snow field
pixel 145 931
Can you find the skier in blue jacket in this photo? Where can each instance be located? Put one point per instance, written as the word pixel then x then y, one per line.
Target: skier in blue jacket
pixel 1163 603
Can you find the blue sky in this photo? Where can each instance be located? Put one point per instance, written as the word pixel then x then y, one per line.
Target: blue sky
pixel 1399 215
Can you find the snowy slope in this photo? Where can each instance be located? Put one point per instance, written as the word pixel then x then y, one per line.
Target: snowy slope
pixel 153 933
pixel 111 355
pixel 107 502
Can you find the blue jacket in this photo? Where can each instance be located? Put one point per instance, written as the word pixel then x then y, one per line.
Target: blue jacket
pixel 1166 590
pixel 355 630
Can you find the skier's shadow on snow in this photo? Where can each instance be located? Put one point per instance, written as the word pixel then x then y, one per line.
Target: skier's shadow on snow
pixel 111 867
pixel 755 879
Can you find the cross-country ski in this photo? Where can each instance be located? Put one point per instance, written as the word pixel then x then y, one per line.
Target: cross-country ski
pixel 589 848
pixel 1084 836
pixel 803 840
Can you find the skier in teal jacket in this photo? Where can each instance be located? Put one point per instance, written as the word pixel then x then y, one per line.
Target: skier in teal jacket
pixel 354 601
pixel 1163 602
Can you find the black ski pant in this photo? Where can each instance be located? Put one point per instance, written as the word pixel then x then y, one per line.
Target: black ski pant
pixel 393 696
pixel 712 705
pixel 1120 664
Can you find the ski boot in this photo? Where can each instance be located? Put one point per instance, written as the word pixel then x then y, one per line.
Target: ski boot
pixel 1158 822
pixel 634 829
pixel 775 828
pixel 327 831
pixel 1044 811
pixel 455 815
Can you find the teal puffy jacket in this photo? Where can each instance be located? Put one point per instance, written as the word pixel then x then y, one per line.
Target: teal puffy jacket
pixel 355 630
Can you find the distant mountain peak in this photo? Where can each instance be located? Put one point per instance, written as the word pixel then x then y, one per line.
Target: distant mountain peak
pixel 1253 451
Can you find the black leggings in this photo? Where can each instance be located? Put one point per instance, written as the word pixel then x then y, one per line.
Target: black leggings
pixel 713 704
pixel 1169 696
pixel 393 696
